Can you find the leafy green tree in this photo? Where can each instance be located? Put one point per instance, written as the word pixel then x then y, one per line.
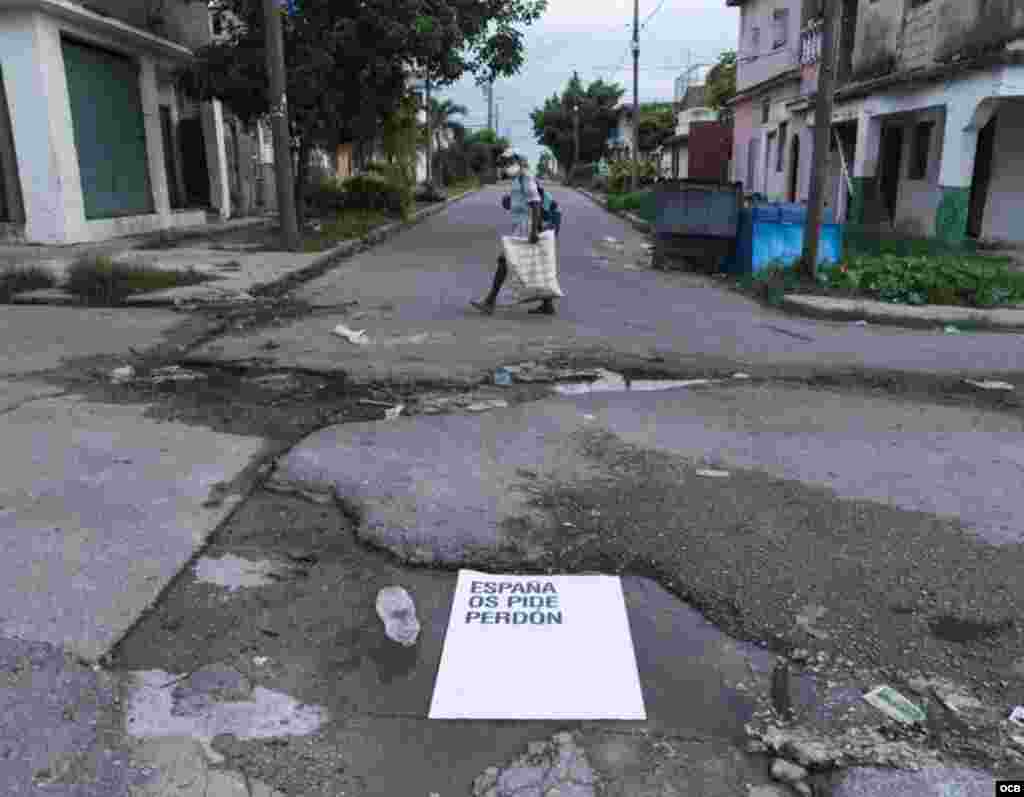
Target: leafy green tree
pixel 544 165
pixel 721 81
pixel 347 63
pixel 657 122
pixel 553 124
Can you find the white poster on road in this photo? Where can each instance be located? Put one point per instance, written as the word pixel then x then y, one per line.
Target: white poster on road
pixel 538 647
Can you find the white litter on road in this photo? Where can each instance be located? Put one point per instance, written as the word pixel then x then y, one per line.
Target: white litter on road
pixel 234 572
pixel 990 385
pixel 123 374
pixel 894 705
pixel 714 474
pixel 351 335
pixel 1017 716
pixel 393 412
pixel 397 611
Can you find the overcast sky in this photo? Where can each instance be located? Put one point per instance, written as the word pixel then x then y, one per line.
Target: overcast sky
pixel 593 37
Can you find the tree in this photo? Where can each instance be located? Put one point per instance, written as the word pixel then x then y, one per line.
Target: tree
pixel 444 126
pixel 483 148
pixel 721 81
pixel 553 124
pixel 372 43
pixel 657 122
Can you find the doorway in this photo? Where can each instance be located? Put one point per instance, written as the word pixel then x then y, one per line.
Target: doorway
pixel 794 167
pixel 753 152
pixel 891 160
pixel 982 178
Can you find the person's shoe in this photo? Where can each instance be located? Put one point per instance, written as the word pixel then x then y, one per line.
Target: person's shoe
pixel 487 308
pixel 544 309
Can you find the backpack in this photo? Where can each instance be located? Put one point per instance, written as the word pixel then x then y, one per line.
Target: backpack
pixel 551 216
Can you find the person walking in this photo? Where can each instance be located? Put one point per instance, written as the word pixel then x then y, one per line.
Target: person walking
pixel 524 203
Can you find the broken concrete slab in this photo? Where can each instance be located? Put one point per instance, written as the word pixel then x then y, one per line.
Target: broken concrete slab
pixel 40 338
pixel 937 781
pixel 102 508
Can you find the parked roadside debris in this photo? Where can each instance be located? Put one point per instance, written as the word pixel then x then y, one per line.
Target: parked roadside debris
pixel 615 242
pixel 259 661
pixel 351 335
pixel 894 705
pixel 740 375
pixel 990 385
pixel 949 694
pixel 808 618
pixel 173 373
pixel 1017 716
pixel 861 323
pixel 393 412
pixel 531 372
pixel 123 374
pixel 503 377
pixel 951 330
pixel 487 404
pixel 790 774
pixel 859 746
pixel 396 609
pixel 372 403
pixel 713 474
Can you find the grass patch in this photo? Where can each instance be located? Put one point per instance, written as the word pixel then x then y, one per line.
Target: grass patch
pixel 18 279
pixel 860 241
pixel 461 186
pixel 347 225
pixel 100 281
pixel 962 280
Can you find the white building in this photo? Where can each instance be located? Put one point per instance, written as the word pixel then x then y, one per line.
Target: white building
pixel 95 140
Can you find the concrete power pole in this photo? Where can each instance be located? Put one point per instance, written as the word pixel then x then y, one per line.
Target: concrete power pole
pixel 490 105
pixel 576 133
pixel 279 125
pixel 822 133
pixel 636 93
pixel 430 132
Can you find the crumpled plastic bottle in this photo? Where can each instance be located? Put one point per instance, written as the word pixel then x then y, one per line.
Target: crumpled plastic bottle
pixel 398 612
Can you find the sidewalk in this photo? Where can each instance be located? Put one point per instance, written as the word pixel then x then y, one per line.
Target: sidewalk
pixel 237 272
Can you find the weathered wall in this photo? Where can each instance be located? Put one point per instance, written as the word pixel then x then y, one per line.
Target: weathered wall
pixel 879 28
pixel 763 62
pixel 919 200
pixel 710 148
pixel 1005 207
pixel 919 30
pixel 970 27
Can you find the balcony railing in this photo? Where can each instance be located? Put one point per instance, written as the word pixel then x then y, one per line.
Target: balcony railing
pixel 810 43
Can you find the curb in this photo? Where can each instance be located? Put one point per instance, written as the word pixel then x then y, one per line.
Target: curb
pixel 881 312
pixel 331 257
pixel 640 224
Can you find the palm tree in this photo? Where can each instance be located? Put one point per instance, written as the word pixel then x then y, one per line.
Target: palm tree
pixel 443 125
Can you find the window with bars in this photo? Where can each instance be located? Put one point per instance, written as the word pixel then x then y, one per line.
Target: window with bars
pixel 922 151
pixel 780 160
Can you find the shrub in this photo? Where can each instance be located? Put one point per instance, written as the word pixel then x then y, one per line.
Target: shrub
pixel 621 175
pixel 371 192
pixel 99 280
pixel 632 202
pixel 326 197
pixel 20 279
pixel 965 280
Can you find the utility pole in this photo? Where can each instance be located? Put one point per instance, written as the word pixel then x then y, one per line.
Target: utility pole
pixel 430 131
pixel 490 105
pixel 279 125
pixel 822 132
pixel 636 92
pixel 576 133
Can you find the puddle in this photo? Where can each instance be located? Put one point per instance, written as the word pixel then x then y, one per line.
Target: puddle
pixel 611 382
pixel 234 572
pixel 154 711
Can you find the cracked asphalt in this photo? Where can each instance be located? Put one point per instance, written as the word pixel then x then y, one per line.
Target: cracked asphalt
pixel 867 530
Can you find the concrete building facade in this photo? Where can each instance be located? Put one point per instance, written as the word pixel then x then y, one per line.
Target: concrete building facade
pixel 926 128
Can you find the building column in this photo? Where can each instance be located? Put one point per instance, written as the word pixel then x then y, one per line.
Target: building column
pixel 154 140
pixel 865 166
pixel 216 156
pixel 42 130
pixel 959 147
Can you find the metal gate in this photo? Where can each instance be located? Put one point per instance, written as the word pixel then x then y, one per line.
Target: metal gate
pixel 110 134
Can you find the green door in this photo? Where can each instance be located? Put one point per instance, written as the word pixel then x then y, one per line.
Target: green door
pixel 106 110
